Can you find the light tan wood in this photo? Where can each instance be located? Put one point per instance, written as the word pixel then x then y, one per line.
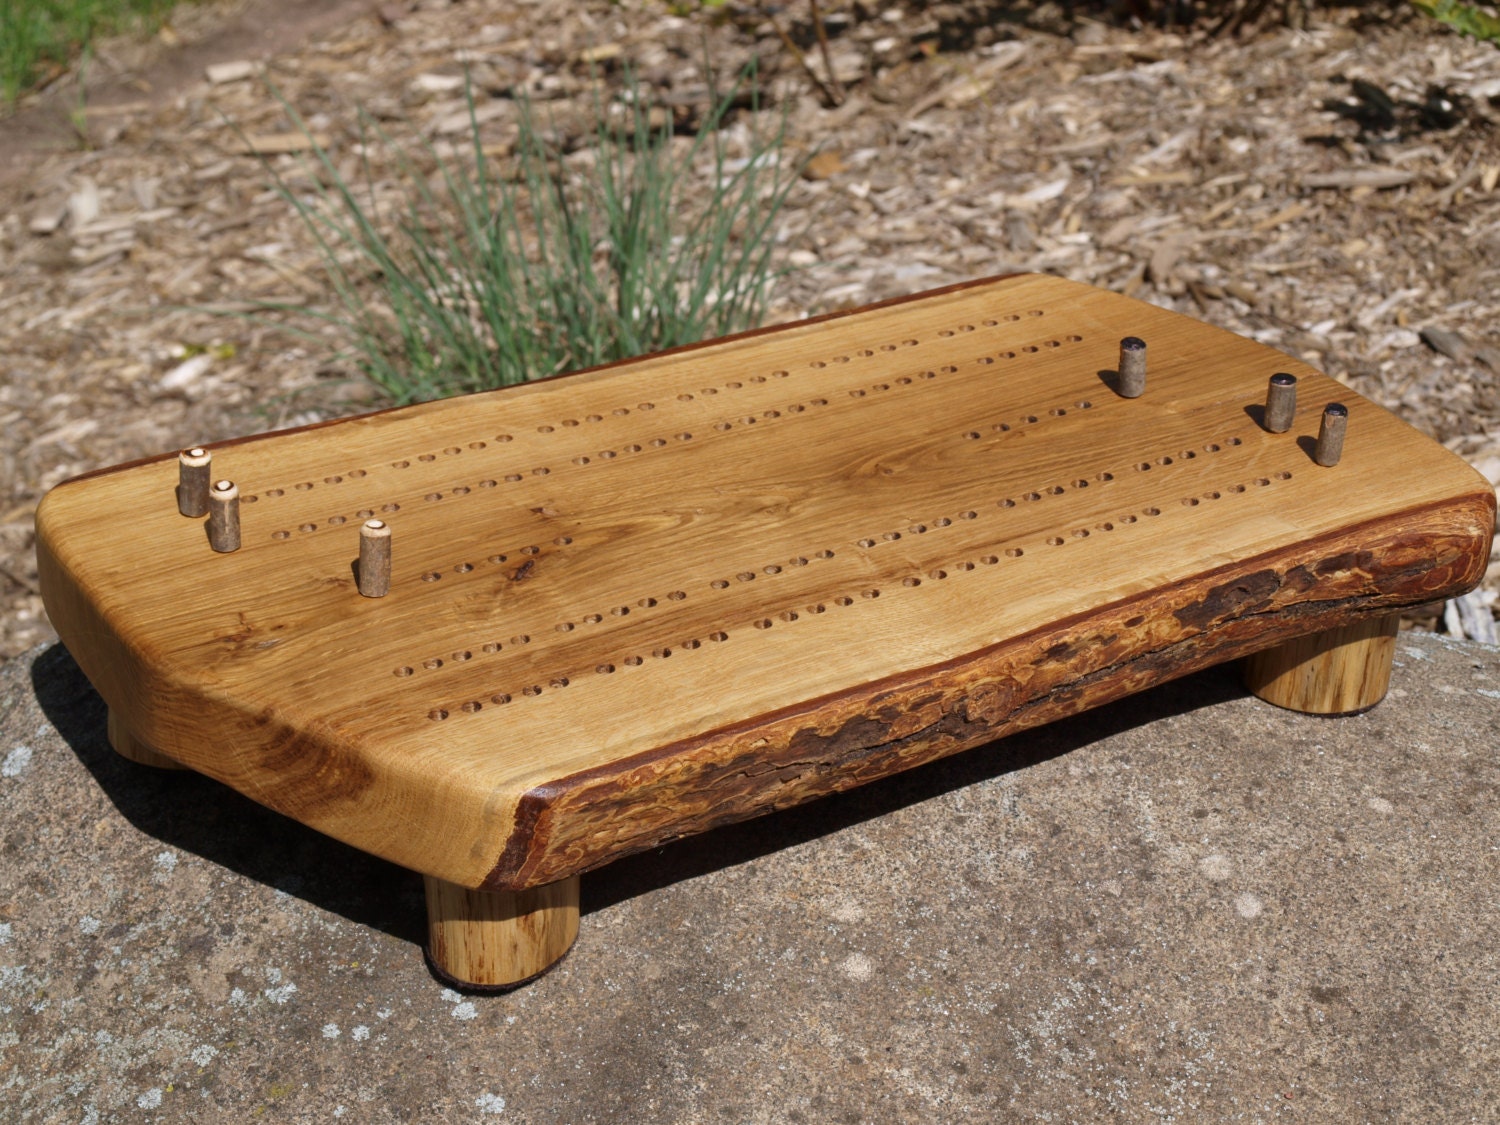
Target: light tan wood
pixel 128 746
pixel 498 939
pixel 1335 672
pixel 635 603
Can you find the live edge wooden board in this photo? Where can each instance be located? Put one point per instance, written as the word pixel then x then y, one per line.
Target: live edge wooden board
pixel 635 603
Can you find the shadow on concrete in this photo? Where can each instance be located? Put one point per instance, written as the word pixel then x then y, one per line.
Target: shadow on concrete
pixel 750 840
pixel 196 814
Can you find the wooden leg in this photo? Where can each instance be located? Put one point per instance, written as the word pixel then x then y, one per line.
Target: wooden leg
pixel 128 746
pixel 499 939
pixel 1337 672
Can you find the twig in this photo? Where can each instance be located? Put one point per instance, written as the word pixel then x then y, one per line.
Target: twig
pixel 20 580
pixel 822 33
pixel 786 41
pixel 1445 198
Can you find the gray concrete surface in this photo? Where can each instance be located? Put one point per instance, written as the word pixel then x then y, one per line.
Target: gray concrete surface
pixel 1185 907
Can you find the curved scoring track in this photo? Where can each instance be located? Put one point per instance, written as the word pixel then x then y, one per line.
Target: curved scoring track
pixel 498 528
pixel 770 611
pixel 643 440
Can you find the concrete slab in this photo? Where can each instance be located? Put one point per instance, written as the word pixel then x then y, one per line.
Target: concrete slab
pixel 1188 906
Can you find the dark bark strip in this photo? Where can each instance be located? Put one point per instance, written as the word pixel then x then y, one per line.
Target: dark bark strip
pixel 840 742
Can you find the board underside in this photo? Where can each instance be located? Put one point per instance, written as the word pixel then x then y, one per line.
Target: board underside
pixel 631 604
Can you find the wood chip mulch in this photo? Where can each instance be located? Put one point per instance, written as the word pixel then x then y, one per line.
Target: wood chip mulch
pixel 1333 192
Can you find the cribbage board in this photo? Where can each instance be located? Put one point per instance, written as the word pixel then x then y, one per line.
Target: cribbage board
pixel 635 603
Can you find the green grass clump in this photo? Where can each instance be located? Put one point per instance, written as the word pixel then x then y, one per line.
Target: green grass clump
pixel 38 36
pixel 1468 19
pixel 484 277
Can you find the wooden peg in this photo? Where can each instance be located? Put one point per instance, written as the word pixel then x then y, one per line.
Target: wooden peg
pixel 1281 402
pixel 1331 434
pixel 1336 672
pixel 129 746
pixel 192 482
pixel 224 516
pixel 1132 367
pixel 499 939
pixel 374 558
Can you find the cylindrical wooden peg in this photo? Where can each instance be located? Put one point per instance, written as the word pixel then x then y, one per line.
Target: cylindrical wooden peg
pixel 499 939
pixel 374 558
pixel 1132 367
pixel 1281 402
pixel 1331 434
pixel 224 516
pixel 129 746
pixel 192 482
pixel 1336 672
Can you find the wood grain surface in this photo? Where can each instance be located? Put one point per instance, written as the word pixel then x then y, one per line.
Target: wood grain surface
pixel 631 604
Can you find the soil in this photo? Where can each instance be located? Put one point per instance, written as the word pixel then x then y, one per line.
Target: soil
pixel 1332 191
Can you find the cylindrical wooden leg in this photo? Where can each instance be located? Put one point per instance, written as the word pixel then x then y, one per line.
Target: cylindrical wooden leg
pixel 499 939
pixel 1331 673
pixel 129 746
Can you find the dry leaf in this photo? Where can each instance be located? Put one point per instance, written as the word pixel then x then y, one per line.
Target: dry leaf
pixel 823 166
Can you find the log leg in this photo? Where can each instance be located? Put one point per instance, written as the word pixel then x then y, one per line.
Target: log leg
pixel 499 939
pixel 1337 672
pixel 129 746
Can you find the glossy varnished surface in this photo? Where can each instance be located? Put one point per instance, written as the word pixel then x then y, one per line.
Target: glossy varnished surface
pixel 632 585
